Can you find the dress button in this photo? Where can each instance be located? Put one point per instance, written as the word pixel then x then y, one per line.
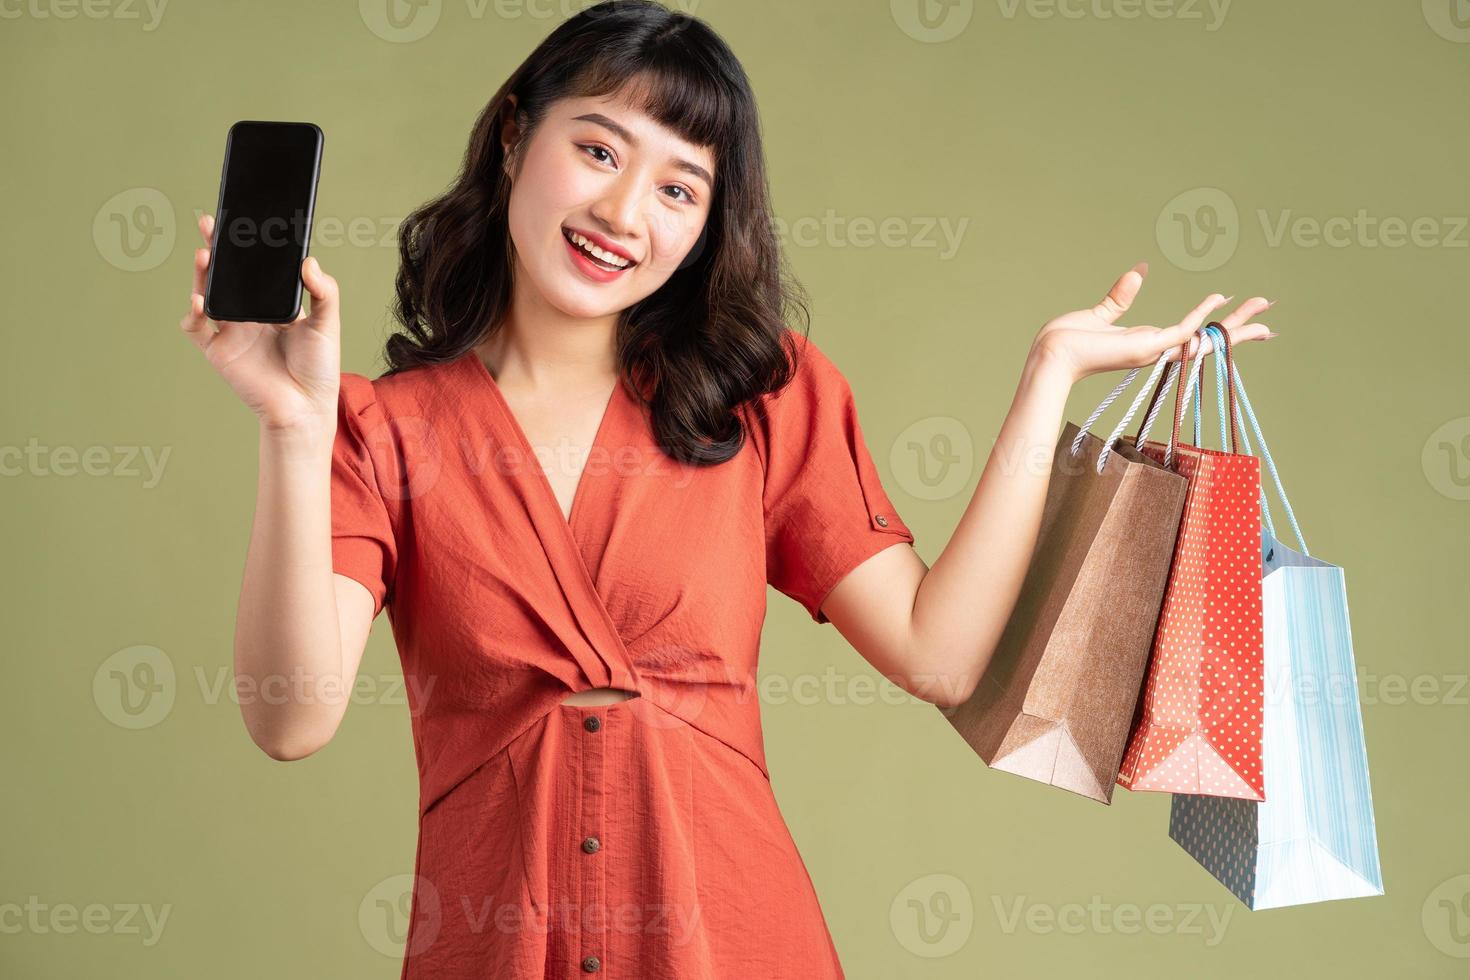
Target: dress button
pixel 592 723
pixel 591 964
pixel 591 845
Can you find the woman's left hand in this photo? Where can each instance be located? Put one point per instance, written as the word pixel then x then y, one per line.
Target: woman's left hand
pixel 1086 342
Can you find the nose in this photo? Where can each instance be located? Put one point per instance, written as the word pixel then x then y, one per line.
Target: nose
pixel 618 208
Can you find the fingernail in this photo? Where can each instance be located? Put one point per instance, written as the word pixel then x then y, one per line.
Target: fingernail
pixel 1270 335
pixel 1227 299
pixel 1269 305
pixel 1142 268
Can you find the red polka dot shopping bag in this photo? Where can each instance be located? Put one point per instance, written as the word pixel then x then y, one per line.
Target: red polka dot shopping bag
pixel 1055 702
pixel 1197 724
pixel 1314 838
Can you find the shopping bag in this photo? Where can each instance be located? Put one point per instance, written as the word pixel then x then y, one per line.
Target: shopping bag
pixel 1314 837
pixel 1197 725
pixel 1055 701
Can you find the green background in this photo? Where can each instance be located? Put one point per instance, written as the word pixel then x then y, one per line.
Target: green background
pixel 1063 143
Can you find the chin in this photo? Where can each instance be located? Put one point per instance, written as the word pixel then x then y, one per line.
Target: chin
pixel 574 303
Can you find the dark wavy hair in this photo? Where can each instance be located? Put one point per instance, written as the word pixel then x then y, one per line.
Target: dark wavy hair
pixel 715 334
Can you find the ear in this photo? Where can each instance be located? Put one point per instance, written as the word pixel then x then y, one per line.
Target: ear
pixel 510 134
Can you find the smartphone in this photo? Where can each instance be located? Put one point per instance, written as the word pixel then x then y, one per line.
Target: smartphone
pixel 262 224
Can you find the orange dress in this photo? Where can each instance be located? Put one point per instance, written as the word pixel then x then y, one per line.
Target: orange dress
pixel 639 839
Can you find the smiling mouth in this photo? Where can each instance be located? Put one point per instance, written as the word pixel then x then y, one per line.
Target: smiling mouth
pixel 598 257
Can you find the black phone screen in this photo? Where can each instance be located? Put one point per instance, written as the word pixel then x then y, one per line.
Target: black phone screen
pixel 263 221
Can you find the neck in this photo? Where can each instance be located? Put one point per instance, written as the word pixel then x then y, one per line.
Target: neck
pixel 539 346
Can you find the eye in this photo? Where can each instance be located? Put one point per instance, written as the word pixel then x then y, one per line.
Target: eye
pixel 688 195
pixel 594 148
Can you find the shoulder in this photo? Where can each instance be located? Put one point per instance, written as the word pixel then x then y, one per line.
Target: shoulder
pixel 402 393
pixel 812 406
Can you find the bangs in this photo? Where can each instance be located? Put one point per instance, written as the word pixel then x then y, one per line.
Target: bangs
pixel 671 88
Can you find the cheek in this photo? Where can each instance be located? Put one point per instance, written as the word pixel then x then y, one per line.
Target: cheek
pixel 551 186
pixel 671 237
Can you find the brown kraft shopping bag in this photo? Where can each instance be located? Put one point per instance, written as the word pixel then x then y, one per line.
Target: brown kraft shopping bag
pixel 1057 697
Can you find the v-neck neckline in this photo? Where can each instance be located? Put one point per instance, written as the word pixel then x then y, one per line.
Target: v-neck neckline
pixel 569 518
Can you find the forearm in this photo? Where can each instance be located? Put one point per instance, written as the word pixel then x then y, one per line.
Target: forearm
pixel 963 602
pixel 288 656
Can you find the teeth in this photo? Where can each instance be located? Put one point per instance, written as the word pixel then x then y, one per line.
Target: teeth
pixel 588 247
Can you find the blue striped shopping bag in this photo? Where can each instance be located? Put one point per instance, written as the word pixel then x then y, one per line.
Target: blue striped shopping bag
pixel 1314 838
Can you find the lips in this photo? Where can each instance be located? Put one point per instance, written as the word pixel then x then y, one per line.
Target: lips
pixel 601 243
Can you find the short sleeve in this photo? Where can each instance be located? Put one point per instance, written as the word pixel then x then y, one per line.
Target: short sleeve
pixel 826 511
pixel 363 545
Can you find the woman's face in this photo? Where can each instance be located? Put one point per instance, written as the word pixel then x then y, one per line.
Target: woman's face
pixel 601 172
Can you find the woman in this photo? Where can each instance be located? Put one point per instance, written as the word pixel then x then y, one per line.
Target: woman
pixel 598 443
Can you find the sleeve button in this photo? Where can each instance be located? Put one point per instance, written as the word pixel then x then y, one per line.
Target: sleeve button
pixel 882 521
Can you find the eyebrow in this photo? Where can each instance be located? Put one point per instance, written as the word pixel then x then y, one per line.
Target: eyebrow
pixel 622 133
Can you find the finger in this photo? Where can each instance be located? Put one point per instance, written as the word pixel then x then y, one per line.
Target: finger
pixel 1184 331
pixel 195 324
pixel 1244 312
pixel 1121 296
pixel 1248 332
pixel 323 291
pixel 201 269
pixel 206 228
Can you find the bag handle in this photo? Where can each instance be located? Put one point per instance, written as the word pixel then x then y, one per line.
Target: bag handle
pixel 1112 396
pixel 1239 387
pixel 1181 394
pixel 1223 390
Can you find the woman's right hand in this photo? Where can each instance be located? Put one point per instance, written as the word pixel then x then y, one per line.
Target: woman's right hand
pixel 287 373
